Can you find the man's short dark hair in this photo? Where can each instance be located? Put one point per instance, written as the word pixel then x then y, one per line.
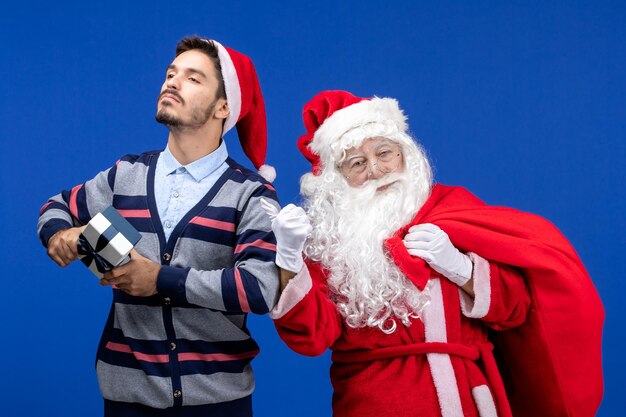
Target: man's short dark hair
pixel 209 48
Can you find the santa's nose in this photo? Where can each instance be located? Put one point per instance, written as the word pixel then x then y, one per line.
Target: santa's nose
pixel 374 172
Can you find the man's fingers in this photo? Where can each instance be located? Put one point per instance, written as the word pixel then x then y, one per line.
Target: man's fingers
pixel 119 282
pixel 134 255
pixel 59 261
pixel 73 246
pixel 115 276
pixel 62 246
pixel 124 287
pixel 61 250
pixel 57 255
pixel 68 253
pixel 119 271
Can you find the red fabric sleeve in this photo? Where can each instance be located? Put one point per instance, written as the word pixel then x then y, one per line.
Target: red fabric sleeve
pixel 313 324
pixel 510 299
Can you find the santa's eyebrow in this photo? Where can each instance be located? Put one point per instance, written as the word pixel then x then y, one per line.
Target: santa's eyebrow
pixel 384 143
pixel 349 158
pixel 375 148
pixel 355 155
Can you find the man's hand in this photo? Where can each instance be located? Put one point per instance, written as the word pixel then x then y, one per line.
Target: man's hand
pixel 433 245
pixel 62 246
pixel 138 277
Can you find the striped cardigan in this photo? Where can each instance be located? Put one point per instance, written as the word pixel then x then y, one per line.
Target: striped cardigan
pixel 187 345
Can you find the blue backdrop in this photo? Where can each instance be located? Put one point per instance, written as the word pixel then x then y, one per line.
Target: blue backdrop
pixel 521 102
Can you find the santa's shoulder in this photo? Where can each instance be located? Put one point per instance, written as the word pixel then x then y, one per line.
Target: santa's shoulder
pixel 452 195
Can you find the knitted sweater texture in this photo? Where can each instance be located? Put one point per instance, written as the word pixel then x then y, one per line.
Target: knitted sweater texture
pixel 188 344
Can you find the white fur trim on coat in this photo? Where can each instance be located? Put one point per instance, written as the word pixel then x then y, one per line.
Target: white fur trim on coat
pixel 440 364
pixel 484 401
pixel 478 307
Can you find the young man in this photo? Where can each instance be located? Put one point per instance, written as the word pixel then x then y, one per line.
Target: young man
pixel 176 342
pixel 404 280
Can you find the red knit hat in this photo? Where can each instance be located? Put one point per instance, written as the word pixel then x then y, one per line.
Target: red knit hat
pixel 330 114
pixel 247 109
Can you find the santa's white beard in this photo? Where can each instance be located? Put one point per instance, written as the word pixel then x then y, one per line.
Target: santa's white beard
pixel 349 227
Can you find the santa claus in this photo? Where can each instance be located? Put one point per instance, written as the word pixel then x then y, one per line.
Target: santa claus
pixel 409 283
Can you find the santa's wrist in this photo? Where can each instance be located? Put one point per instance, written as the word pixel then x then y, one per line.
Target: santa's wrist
pixel 289 261
pixel 463 273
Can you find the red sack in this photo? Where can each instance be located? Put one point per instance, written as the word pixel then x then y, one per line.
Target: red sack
pixel 551 365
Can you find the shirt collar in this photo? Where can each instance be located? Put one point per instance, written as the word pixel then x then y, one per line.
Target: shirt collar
pixel 198 169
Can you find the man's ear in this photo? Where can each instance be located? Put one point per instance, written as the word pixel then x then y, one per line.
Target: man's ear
pixel 221 109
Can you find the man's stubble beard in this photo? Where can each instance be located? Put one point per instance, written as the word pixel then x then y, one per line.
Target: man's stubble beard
pixel 198 118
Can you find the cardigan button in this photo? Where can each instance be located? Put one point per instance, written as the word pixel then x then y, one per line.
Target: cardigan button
pixel 172 346
pixel 167 301
pixel 177 393
pixel 167 257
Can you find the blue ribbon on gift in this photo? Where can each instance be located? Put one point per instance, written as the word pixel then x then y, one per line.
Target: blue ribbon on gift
pixel 90 254
pixel 119 225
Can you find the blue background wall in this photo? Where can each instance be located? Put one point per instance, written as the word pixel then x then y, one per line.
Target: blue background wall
pixel 521 102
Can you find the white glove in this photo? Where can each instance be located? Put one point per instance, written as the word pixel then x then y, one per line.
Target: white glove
pixel 291 227
pixel 433 245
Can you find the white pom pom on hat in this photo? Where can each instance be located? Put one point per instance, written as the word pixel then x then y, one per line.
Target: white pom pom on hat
pixel 268 172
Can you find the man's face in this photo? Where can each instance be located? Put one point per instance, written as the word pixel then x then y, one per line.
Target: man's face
pixel 188 95
pixel 373 160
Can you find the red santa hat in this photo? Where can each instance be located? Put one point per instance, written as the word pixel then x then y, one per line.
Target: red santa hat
pixel 331 114
pixel 247 109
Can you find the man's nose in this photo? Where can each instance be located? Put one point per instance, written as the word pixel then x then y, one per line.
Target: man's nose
pixel 172 82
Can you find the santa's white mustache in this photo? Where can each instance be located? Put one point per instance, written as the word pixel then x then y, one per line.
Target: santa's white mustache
pixel 371 188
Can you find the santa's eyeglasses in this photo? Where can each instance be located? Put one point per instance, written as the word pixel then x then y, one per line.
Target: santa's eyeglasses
pixel 358 168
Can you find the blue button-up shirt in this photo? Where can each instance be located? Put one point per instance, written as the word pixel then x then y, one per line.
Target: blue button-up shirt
pixel 177 187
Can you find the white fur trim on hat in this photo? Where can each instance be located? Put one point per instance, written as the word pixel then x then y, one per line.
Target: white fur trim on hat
pixel 376 110
pixel 231 85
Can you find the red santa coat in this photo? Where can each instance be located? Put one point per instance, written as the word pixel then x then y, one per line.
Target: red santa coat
pixel 443 364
